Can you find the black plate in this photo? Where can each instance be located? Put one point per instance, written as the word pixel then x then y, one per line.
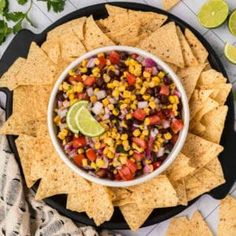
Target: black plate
pixel 20 46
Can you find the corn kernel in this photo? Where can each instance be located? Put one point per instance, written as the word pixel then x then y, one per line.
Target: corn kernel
pixel 57 120
pixel 124 137
pixel 133 97
pixel 62 134
pixel 100 163
pixel 172 99
pixel 147 121
pixel 137 148
pixel 146 74
pixel 136 132
pixel 145 132
pixel 127 101
pixel 105 101
pixel 152 105
pixel 96 61
pixel 167 136
pixel 123 159
pixel 161 74
pixel 96 72
pixel 127 94
pixel 128 116
pixel 71 96
pixel 123 106
pixel 143 90
pixel 115 112
pixel 115 93
pixel 71 73
pixel 105 151
pixel 85 162
pixel 110 85
pixel 110 154
pixel 116 163
pixel 97 145
pixel 133 106
pixel 131 152
pixel 93 165
pixel 93 99
pixel 83 69
pixel 110 106
pixel 146 97
pixel 152 84
pixel 147 110
pixel 80 150
pixel 65 86
pixel 123 124
pixel 79 87
pixel 156 80
pixel 73 101
pixel 122 88
pixel 84 63
pixel 115 83
pixel 106 78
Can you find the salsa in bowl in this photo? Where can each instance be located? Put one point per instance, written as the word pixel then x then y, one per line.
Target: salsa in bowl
pixel 118 116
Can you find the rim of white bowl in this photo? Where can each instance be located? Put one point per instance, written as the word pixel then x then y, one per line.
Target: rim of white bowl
pixel 170 158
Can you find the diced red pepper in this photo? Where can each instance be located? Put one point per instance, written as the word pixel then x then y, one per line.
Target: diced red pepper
pixel 131 79
pixel 140 142
pixel 114 57
pixel 102 62
pixel 125 173
pixel 176 125
pixel 91 154
pixel 117 177
pixel 138 156
pixel 165 90
pixel 132 166
pixel 78 159
pixel 154 120
pixel 156 165
pixel 81 96
pixel 79 142
pixel 89 81
pixel 139 114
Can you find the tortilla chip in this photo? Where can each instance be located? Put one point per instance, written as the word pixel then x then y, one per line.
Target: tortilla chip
pixel 173 67
pixel 77 26
pixel 207 106
pixel 134 216
pixel 52 48
pixel 211 77
pixel 198 226
pixel 198 98
pixel 179 226
pixel 189 58
pixel 198 129
pixel 71 46
pixel 220 91
pixel 180 189
pixel 155 193
pixel 9 78
pixel 215 167
pixel 227 216
pixel 114 10
pixel 100 204
pixel 122 196
pixel 168 4
pixel 200 150
pixel 202 181
pixel 127 35
pixel 214 122
pixel 168 50
pixel 78 201
pixel 180 168
pixel 25 147
pixel 198 49
pixel 94 37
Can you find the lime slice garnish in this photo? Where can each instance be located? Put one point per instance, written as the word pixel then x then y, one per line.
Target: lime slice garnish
pixel 70 116
pixel 213 13
pixel 230 53
pixel 232 23
pixel 87 124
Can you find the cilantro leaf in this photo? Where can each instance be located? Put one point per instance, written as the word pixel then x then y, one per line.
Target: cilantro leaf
pixel 55 5
pixel 2 6
pixel 15 16
pixel 22 2
pixel 5 30
pixel 17 27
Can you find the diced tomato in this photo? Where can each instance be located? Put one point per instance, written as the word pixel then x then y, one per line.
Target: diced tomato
pixel 117 177
pixel 132 166
pixel 165 90
pixel 125 173
pixel 176 125
pixel 78 159
pixel 156 165
pixel 154 120
pixel 131 79
pixel 174 138
pixel 75 78
pixel 138 156
pixel 169 113
pixel 91 154
pixel 79 142
pixel 114 57
pixel 81 96
pixel 89 81
pixel 102 62
pixel 140 142
pixel 139 114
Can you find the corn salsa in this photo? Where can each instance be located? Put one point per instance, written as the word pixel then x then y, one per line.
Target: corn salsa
pixel 136 103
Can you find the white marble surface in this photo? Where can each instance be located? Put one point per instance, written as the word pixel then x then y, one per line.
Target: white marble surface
pixel 187 11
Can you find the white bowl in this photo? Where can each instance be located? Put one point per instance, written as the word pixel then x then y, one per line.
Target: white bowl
pixel 171 157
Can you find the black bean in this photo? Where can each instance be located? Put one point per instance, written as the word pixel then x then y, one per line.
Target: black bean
pixel 153 112
pixel 63 120
pixel 101 173
pixel 139 97
pixel 167 80
pixel 169 146
pixel 131 87
pixel 162 158
pixel 111 73
pixel 99 82
pixel 180 106
pixel 163 131
pixel 123 56
pixel 150 91
pixel 157 90
pixel 60 96
pixel 110 175
pixel 164 99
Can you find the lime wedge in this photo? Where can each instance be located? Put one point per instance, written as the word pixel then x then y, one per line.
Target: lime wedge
pixel 213 13
pixel 86 123
pixel 230 53
pixel 70 116
pixel 232 23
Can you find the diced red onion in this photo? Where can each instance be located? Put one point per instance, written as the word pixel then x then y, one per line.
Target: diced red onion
pixel 97 108
pixel 154 70
pixel 91 63
pixel 147 169
pixel 59 103
pixel 111 100
pixel 148 62
pixel 106 116
pixel 161 152
pixel 157 101
pixel 177 93
pixel 66 104
pixel 140 59
pixel 90 91
pixel 106 162
pixel 72 153
pixel 101 94
pixel 142 104
pixel 117 72
pixel 166 124
pixel 62 126
pixel 136 125
pixel 62 113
